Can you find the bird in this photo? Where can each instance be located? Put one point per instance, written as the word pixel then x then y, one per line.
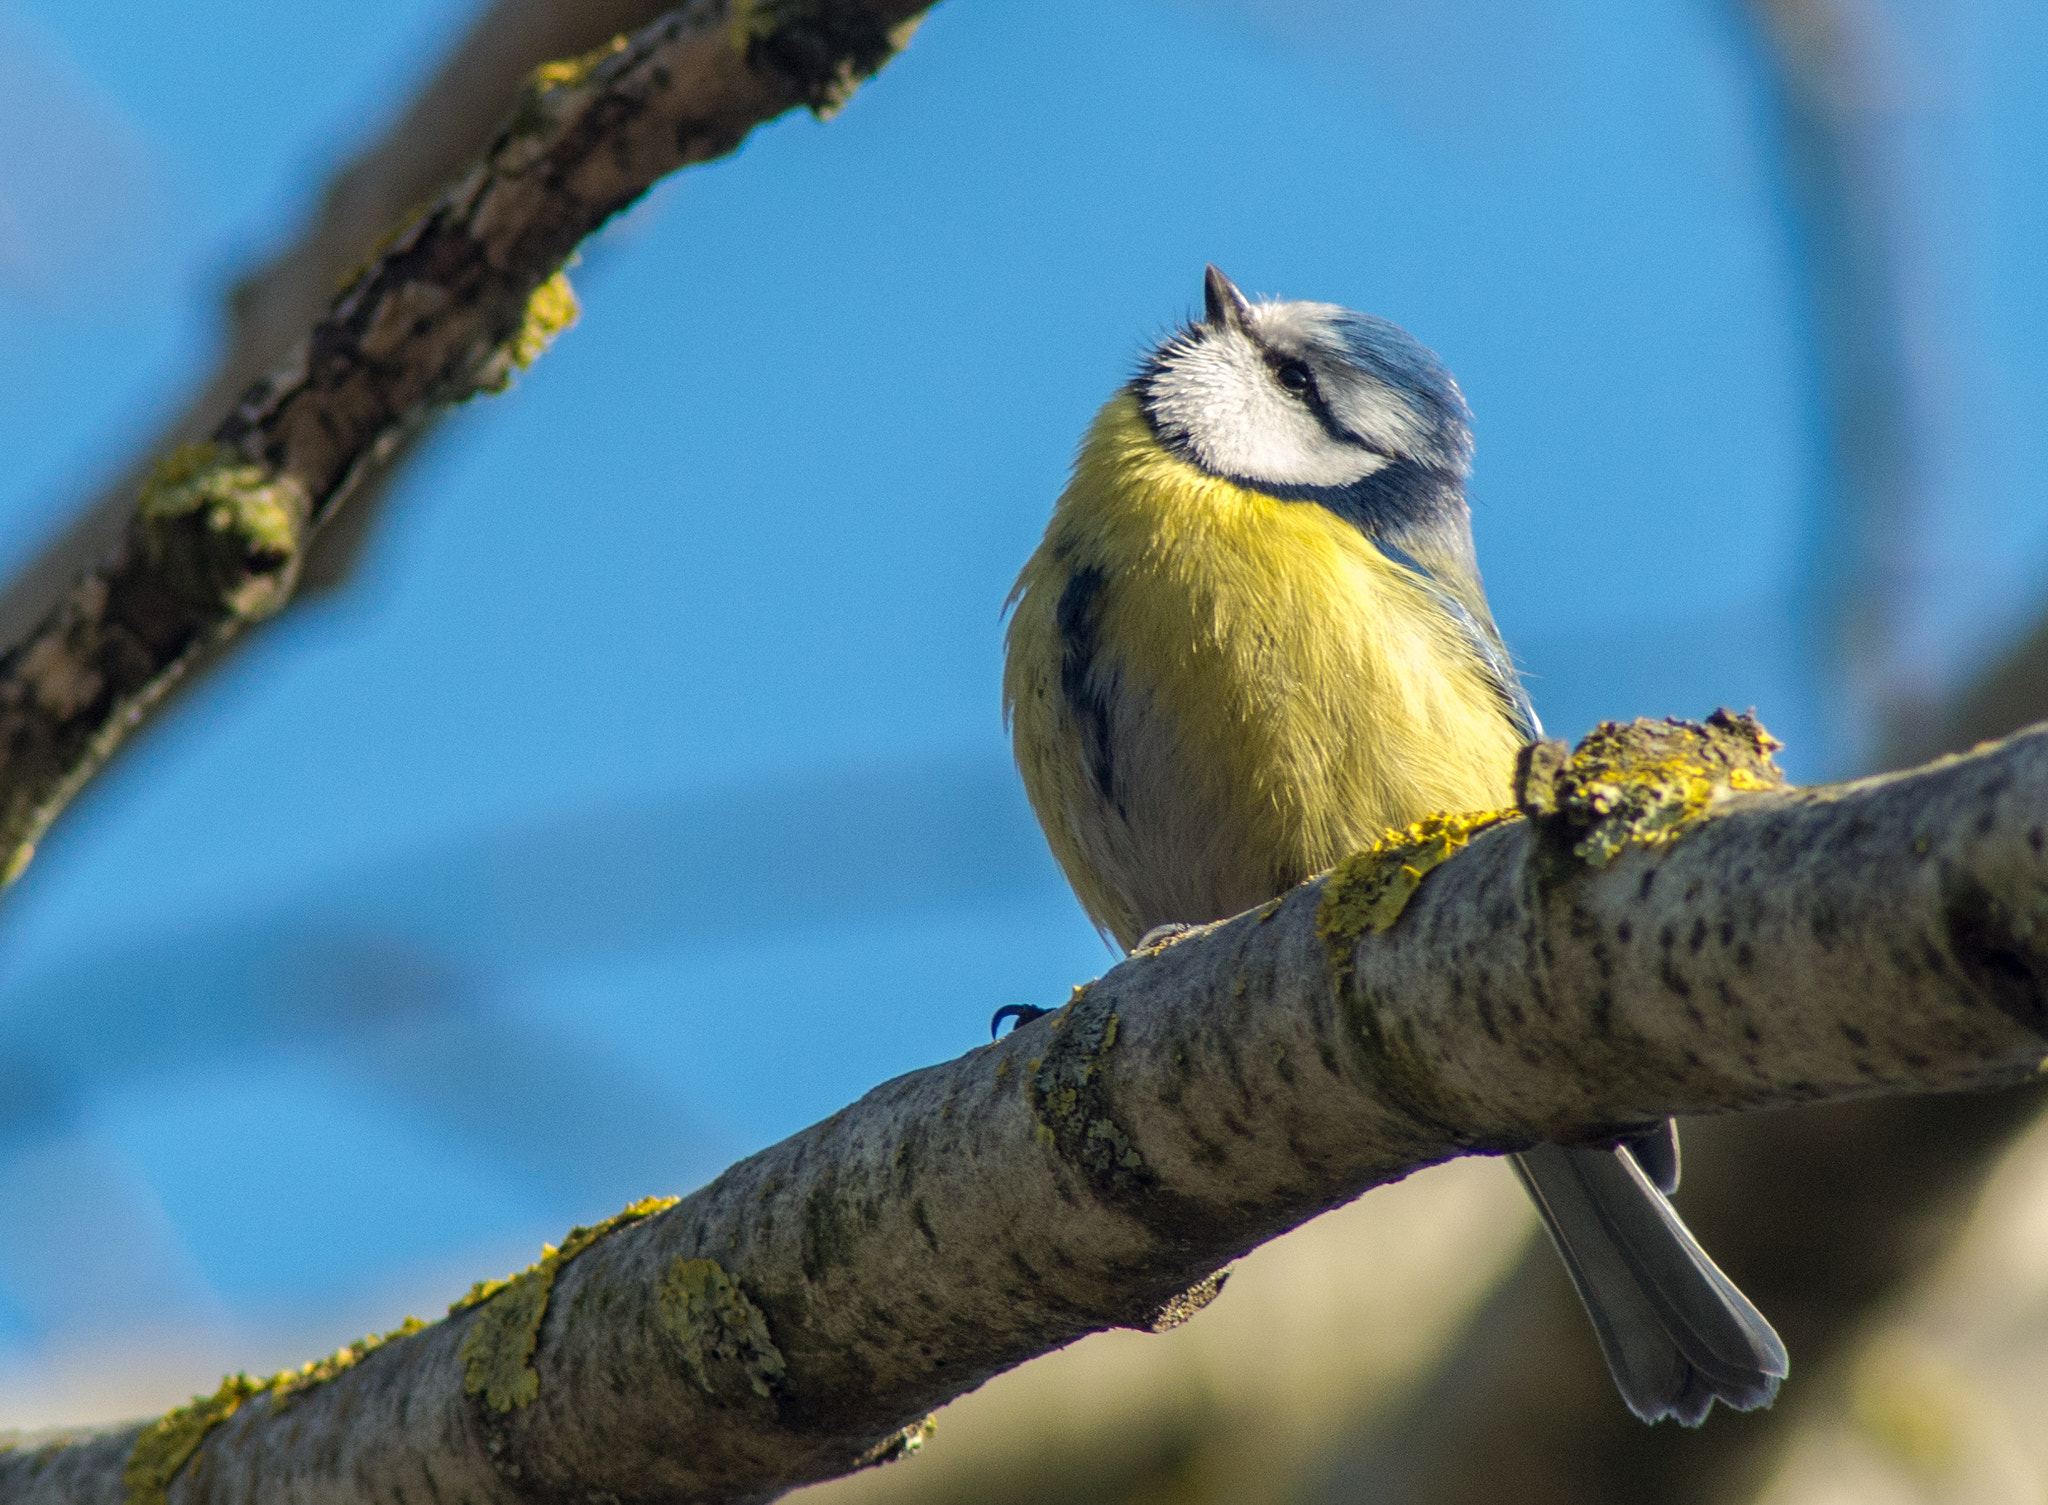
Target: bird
pixel 1253 640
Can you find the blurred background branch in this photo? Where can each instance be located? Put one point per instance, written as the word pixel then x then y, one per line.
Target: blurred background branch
pixel 458 300
pixel 432 140
pixel 1833 87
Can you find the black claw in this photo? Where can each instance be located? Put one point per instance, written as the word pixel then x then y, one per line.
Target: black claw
pixel 1023 1013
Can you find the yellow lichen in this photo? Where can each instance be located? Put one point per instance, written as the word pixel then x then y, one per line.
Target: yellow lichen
pixel 1647 800
pixel 222 528
pixel 551 309
pixel 1644 783
pixel 289 1383
pixel 536 111
pixel 705 1310
pixel 167 1443
pixel 566 73
pixel 899 1444
pixel 1368 890
pixel 234 493
pixel 497 1352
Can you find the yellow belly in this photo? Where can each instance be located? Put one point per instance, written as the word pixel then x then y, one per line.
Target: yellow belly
pixel 1262 692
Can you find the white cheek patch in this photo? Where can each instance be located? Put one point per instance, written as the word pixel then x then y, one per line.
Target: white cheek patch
pixel 1220 399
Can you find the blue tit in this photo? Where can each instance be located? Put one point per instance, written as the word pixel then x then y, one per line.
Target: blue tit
pixel 1253 640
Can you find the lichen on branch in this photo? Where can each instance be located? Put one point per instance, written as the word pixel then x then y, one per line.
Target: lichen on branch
pixel 497 1353
pixel 724 1335
pixel 1366 892
pixel 1644 782
pixel 224 533
pixel 165 1445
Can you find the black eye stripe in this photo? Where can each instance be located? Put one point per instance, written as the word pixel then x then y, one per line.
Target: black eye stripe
pixel 1305 388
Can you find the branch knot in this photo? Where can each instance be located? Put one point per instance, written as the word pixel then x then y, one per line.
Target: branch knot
pixel 225 533
pixel 824 51
pixel 1643 782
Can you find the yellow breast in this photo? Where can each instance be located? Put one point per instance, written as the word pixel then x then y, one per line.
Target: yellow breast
pixel 1215 694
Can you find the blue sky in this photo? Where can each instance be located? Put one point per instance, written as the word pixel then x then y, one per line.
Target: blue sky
pixel 658 744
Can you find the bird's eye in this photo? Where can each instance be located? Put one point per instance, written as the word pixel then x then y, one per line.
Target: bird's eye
pixel 1293 375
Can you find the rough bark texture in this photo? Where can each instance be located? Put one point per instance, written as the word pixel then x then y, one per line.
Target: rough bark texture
pixel 464 293
pixel 1097 1168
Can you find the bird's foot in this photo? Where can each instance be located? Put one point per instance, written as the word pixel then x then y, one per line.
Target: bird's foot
pixel 1023 1013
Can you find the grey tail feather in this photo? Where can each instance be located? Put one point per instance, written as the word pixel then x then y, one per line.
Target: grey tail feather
pixel 1677 1334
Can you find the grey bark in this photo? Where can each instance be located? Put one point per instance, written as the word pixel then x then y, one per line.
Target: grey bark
pixel 1101 1165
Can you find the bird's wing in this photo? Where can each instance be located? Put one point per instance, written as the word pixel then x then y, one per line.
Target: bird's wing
pixel 1486 644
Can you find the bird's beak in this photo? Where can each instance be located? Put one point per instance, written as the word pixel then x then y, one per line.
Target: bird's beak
pixel 1226 305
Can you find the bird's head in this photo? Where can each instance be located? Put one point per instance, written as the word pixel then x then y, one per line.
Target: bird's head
pixel 1302 398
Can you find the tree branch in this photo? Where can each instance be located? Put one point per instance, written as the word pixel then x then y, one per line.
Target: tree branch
pixel 1659 935
pixel 445 128
pixel 465 293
